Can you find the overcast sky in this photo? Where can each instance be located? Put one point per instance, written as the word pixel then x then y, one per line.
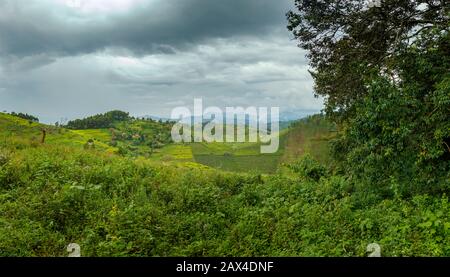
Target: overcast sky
pixel 73 58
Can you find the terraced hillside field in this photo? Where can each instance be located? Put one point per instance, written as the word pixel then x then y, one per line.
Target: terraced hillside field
pixel 134 137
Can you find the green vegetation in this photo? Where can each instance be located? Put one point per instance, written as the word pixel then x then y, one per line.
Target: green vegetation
pixel 106 120
pixel 239 157
pixel 384 73
pixel 58 192
pixel 311 135
pixel 51 195
pixel 123 134
pixel 138 137
pixel 26 116
pixel 375 168
pixel 174 152
pixel 241 163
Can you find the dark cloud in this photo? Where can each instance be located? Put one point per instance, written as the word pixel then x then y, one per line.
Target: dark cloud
pixel 57 62
pixel 27 29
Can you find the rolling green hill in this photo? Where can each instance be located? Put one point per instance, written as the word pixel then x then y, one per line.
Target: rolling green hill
pixel 150 139
pixel 16 130
pixel 60 191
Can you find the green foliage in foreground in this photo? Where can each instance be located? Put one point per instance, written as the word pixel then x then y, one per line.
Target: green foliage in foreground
pixel 51 196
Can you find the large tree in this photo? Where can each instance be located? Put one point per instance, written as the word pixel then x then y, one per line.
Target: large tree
pixel 348 41
pixel 385 74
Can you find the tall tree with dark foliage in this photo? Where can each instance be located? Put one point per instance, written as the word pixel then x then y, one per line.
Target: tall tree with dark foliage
pixel 384 73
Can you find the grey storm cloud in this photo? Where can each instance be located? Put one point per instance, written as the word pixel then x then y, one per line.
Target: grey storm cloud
pixel 28 28
pixel 57 61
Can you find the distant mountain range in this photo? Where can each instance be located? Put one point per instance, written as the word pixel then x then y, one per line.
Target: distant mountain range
pixel 285 117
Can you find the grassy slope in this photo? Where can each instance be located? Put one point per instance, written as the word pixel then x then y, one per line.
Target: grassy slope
pixel 56 193
pixel 53 194
pixel 16 132
pixel 239 157
pixel 309 135
pixel 303 137
pixel 22 130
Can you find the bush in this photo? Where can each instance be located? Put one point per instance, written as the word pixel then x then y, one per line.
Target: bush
pixel 51 196
pixel 308 168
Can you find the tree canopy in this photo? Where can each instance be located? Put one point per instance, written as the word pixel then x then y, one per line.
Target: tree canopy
pixel 98 121
pixel 26 116
pixel 384 74
pixel 348 41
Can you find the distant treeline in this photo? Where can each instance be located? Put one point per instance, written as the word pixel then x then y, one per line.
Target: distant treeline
pixel 25 116
pixel 98 121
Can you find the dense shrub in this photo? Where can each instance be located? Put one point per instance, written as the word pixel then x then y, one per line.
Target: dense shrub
pixel 308 168
pixel 398 138
pixel 115 206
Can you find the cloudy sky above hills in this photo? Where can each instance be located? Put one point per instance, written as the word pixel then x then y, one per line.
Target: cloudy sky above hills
pixel 72 58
